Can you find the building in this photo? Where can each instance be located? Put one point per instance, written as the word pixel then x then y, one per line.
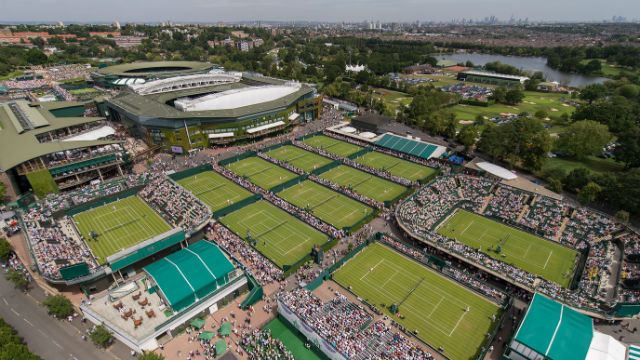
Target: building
pixel 419 69
pixel 370 121
pixel 553 331
pixel 51 146
pixel 486 77
pixel 172 291
pixel 239 34
pixel 138 72
pixel 244 45
pixel 198 111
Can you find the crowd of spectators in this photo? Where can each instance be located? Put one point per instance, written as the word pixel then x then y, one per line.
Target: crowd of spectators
pixel 430 203
pixel 597 263
pixel 631 243
pixel 630 270
pixel 507 204
pixel 337 321
pixel 545 216
pixel 588 226
pixel 259 345
pixel 392 345
pixel 263 270
pixel 177 205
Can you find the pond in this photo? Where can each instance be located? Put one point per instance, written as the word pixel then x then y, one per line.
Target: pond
pixel 532 64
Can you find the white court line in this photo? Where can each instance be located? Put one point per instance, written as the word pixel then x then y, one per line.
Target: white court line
pixel 465 229
pixel 381 260
pixel 390 277
pixel 549 257
pixel 435 307
pixel 458 323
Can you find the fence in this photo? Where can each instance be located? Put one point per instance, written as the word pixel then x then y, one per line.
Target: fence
pixel 309 136
pixel 254 295
pixel 102 201
pixel 288 184
pixel 359 153
pixel 190 172
pixel 276 146
pixel 233 159
pixel 327 167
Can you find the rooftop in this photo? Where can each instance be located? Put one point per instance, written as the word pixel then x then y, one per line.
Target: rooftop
pixel 151 68
pixel 492 74
pixel 236 98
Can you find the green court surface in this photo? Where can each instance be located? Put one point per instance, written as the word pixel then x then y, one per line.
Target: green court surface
pixel 431 303
pixel 292 341
pixel 552 261
pixel 279 236
pixel 336 147
pixel 261 172
pixel 299 158
pixel 214 189
pixel 395 166
pixel 364 183
pixel 119 225
pixel 330 206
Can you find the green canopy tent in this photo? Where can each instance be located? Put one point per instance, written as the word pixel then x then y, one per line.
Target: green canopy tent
pixel 221 347
pixel 197 323
pixel 225 329
pixel 207 335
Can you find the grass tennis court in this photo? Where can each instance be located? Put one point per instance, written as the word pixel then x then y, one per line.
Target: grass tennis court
pixel 119 225
pixel 336 147
pixel 292 340
pixel 261 172
pixel 299 158
pixel 364 183
pixel 431 303
pixel 398 167
pixel 330 206
pixel 214 189
pixel 552 261
pixel 280 236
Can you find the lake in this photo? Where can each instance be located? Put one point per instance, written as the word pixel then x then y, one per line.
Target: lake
pixel 532 64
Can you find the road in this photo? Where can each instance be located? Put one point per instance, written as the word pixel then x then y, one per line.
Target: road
pixel 46 337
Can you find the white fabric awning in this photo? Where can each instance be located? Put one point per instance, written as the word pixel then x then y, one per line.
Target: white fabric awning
pixel 265 127
pixel 368 135
pixel 348 129
pixel 93 134
pixel 497 170
pixel 294 116
pixel 220 135
pixel 605 347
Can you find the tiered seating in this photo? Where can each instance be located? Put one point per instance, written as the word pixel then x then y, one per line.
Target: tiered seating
pixel 588 226
pixel 596 264
pixel 545 216
pixel 507 203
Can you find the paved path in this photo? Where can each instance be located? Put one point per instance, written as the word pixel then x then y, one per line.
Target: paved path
pixel 48 338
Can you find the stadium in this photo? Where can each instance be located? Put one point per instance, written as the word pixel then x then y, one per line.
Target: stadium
pixel 189 112
pixel 140 72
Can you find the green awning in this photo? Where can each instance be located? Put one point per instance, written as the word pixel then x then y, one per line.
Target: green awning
pixel 225 329
pixel 221 347
pixel 81 164
pixel 207 335
pixel 197 323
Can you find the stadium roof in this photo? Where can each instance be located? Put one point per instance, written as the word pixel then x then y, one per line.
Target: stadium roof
pixel 497 170
pixel 605 347
pixel 492 74
pixel 236 98
pixel 554 331
pixel 20 145
pixel 190 274
pixel 156 68
pixel 412 147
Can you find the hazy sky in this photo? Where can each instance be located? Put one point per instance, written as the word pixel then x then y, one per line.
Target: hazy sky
pixel 327 10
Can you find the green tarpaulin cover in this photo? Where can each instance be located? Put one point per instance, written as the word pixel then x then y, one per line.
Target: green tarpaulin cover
pixel 225 329
pixel 207 335
pixel 197 323
pixel 221 347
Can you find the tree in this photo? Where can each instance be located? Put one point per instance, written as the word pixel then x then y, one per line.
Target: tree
pixel 541 114
pixel 622 216
pixel 5 249
pixel 499 94
pixel 3 191
pixel 13 351
pixel 584 138
pixel 577 179
pixel 59 305
pixel 555 185
pixel 148 355
pixel 513 97
pixel 628 149
pixel 593 92
pixel 36 57
pixel 593 66
pixel 18 279
pixel 589 193
pixel 467 136
pixel 101 336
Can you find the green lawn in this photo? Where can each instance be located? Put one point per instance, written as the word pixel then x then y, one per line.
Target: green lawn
pixel 364 183
pixel 279 236
pixel 592 163
pixel 436 307
pixel 261 172
pixel 291 340
pixel 336 147
pixel 119 225
pixel 550 260
pixel 299 158
pixel 214 189
pixel 398 167
pixel 532 102
pixel 330 206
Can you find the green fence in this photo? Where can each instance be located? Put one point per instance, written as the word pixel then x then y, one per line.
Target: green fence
pixel 237 206
pixel 406 193
pixel 254 295
pixel 309 136
pixel 327 167
pixel 430 177
pixel 233 159
pixel 190 172
pixel 101 202
pixel 355 227
pixel 288 184
pixel 626 310
pixel 359 153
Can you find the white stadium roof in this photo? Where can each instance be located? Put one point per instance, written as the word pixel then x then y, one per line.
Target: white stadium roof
pixel 496 170
pixel 236 98
pixel 265 127
pixel 96 134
